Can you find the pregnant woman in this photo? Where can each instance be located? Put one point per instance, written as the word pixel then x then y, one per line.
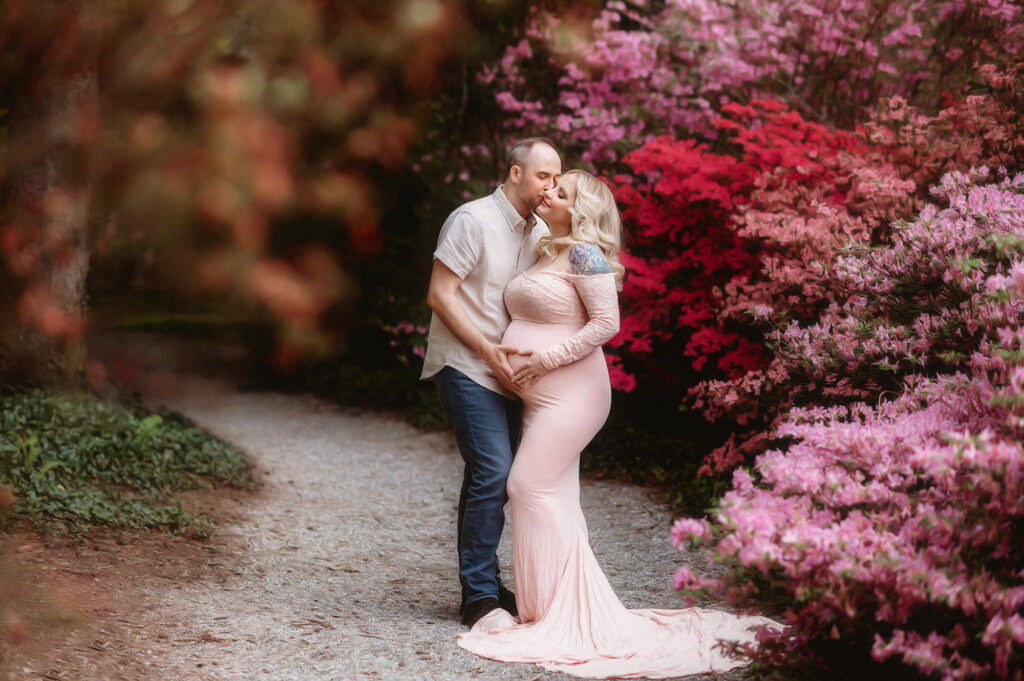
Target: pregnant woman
pixel 570 620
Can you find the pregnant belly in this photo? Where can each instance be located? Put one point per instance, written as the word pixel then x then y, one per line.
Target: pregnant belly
pixel 574 389
pixel 528 336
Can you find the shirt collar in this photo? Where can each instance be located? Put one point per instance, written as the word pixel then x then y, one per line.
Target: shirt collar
pixel 515 221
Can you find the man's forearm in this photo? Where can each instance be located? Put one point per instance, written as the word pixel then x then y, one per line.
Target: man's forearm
pixel 450 310
pixel 442 298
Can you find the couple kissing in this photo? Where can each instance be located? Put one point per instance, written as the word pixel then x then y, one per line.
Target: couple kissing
pixel 524 292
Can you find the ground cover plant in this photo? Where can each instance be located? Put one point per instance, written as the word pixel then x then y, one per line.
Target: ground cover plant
pixel 75 460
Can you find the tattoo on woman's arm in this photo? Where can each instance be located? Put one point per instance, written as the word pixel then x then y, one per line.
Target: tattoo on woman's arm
pixel 588 259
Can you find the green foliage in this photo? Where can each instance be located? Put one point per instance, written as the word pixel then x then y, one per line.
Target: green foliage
pixel 75 460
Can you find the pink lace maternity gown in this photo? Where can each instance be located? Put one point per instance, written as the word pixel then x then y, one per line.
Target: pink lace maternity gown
pixel 570 619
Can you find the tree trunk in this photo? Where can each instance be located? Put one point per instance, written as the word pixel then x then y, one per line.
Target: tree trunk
pixel 52 129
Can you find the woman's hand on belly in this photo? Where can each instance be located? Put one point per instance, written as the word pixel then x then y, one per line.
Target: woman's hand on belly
pixel 526 371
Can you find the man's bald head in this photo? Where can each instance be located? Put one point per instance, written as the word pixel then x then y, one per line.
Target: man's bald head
pixel 533 166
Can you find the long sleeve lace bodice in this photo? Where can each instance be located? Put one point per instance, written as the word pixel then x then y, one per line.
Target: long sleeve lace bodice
pixel 561 298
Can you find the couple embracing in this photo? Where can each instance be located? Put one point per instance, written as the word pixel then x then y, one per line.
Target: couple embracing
pixel 524 294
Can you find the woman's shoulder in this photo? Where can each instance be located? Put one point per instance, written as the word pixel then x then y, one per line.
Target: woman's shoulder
pixel 587 259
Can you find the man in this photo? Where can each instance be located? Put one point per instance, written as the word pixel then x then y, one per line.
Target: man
pixel 483 245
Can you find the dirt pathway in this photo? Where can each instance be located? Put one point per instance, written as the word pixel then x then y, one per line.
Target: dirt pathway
pixel 341 567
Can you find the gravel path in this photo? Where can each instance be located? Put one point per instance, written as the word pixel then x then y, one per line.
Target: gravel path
pixel 344 567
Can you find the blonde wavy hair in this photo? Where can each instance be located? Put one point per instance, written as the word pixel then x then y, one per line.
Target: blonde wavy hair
pixel 595 220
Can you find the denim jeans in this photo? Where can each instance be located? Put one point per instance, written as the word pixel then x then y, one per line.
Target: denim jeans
pixel 487 427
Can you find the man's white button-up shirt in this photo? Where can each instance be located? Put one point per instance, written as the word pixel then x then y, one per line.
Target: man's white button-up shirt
pixel 487 244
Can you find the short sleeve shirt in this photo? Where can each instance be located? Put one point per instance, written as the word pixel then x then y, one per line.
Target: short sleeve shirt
pixel 487 244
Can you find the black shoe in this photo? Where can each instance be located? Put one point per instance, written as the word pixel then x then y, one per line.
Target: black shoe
pixel 477 609
pixel 507 600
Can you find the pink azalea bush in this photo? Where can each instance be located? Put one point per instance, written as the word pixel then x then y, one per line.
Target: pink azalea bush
pixel 716 236
pixel 614 87
pixel 606 85
pixel 835 58
pixel 895 527
pixel 407 340
pixel 902 152
pixel 982 128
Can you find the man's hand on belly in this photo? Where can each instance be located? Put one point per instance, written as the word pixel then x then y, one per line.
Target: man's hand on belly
pixel 496 357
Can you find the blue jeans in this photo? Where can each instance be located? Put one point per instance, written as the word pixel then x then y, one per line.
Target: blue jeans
pixel 487 427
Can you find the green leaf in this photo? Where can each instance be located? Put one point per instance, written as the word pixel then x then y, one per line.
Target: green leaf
pixel 30 450
pixel 47 467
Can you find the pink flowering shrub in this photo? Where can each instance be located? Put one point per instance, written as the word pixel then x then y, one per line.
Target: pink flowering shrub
pixel 599 88
pixel 895 527
pixel 906 153
pixel 716 236
pixel 980 129
pixel 408 341
pixel 834 59
pixel 606 85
